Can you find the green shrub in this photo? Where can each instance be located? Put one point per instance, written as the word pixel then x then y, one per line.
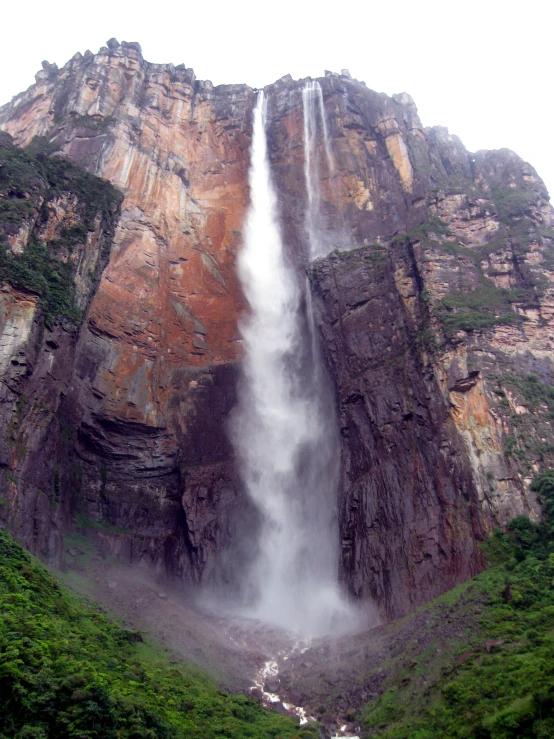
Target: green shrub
pixel 479 309
pixel 505 689
pixel 37 271
pixel 534 391
pixel 513 202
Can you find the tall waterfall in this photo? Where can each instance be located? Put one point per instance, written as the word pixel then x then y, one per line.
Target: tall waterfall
pixel 284 429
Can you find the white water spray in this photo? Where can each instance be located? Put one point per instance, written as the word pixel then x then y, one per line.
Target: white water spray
pixel 284 430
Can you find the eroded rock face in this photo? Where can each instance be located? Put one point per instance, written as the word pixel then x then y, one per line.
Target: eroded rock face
pixel 435 319
pixel 404 462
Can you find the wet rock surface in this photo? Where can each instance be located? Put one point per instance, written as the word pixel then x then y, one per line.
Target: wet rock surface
pixel 56 228
pixel 405 468
pixel 154 376
pixel 440 395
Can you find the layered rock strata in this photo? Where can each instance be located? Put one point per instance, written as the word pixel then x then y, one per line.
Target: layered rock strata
pixel 435 318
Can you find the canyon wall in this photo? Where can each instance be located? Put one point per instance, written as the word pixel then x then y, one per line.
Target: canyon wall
pixel 434 305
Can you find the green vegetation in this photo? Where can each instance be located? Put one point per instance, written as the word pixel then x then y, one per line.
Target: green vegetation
pixel 376 254
pixel 514 207
pixel 29 181
pixel 37 271
pixel 476 254
pixel 97 123
pixel 513 202
pixel 537 395
pixel 67 671
pixel 426 232
pixel 529 440
pixel 454 183
pixel 478 309
pixel 485 306
pixel 466 310
pixel 432 225
pixel 498 683
pixel 84 522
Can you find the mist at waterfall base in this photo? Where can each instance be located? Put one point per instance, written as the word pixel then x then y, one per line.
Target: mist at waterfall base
pixel 285 430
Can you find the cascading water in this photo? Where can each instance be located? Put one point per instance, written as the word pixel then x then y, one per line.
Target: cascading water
pixel 312 104
pixel 284 430
pixel 326 229
pixel 321 238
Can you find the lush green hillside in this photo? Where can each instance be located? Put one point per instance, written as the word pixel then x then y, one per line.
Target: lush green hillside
pixel 68 671
pixel 498 682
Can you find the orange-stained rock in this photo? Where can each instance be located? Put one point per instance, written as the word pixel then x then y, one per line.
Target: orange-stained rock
pixel 179 151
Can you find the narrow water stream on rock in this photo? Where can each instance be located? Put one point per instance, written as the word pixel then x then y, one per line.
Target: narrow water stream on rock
pixel 312 106
pixel 325 231
pixel 267 686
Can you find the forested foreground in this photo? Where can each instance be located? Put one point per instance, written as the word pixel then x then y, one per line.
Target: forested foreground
pixel 66 670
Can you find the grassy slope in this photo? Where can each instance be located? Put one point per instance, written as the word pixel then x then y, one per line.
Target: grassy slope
pixel 68 671
pixel 496 679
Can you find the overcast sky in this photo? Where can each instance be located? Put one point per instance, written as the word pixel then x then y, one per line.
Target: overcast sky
pixel 483 68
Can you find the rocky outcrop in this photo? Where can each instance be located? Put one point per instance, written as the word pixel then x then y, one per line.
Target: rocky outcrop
pixel 410 516
pixel 434 314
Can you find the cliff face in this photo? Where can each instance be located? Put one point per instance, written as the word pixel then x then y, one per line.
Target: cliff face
pixel 435 324
pixel 56 227
pixel 155 373
pixel 436 328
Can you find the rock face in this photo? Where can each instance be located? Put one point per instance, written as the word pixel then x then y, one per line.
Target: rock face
pixel 435 316
pixel 56 227
pixel 436 328
pixel 155 372
pixel 403 459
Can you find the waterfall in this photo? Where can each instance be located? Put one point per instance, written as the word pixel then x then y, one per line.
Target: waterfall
pixel 312 104
pixel 284 429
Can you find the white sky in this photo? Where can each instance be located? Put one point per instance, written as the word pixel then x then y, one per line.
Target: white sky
pixel 483 68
